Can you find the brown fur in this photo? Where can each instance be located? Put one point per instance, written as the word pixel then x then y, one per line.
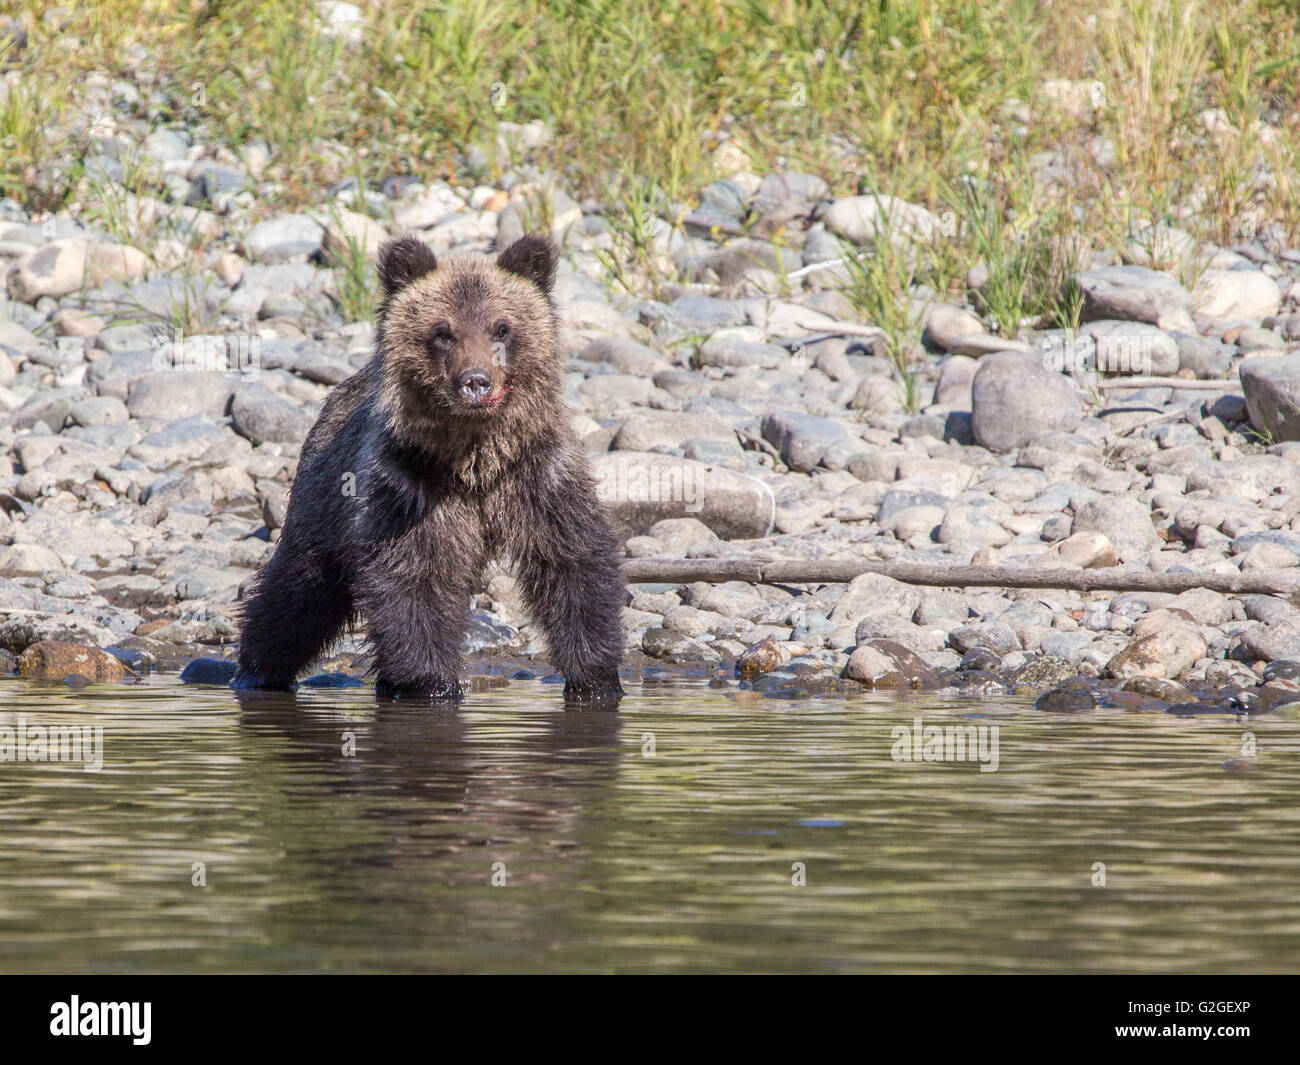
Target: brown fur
pixel 456 439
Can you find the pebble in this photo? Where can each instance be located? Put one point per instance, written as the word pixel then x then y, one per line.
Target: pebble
pixel 724 421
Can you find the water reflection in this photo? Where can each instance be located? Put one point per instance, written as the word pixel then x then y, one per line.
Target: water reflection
pixel 696 829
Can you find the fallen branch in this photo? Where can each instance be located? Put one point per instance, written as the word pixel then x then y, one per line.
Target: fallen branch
pixel 837 571
pixel 842 329
pixel 814 268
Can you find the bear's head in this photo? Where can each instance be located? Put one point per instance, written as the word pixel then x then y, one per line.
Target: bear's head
pixel 468 343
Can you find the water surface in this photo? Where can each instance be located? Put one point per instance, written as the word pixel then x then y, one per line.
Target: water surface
pixel 662 838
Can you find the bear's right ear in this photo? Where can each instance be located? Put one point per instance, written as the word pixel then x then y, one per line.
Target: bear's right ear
pixel 402 260
pixel 533 257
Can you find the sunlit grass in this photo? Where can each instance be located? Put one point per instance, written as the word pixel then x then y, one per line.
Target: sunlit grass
pixel 1182 112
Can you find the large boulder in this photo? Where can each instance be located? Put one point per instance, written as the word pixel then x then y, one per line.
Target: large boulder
pixel 1135 294
pixel 1013 399
pixel 260 415
pixel 640 489
pixel 66 265
pixel 51 660
pixel 801 439
pixel 1236 296
pixel 1124 521
pixel 861 219
pixel 1272 388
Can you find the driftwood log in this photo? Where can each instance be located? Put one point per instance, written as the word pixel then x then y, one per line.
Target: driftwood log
pixel 837 571
pixel 1182 383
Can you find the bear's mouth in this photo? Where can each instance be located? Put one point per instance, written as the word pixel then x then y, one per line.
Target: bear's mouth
pixel 488 404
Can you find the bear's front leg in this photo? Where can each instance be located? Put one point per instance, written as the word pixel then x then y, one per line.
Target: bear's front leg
pixel 298 604
pixel 414 593
pixel 417 629
pixel 569 571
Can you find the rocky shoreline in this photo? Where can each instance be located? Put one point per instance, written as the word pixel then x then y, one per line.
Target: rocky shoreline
pixel 153 403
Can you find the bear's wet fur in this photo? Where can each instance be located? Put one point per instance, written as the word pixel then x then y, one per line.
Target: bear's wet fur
pixel 449 448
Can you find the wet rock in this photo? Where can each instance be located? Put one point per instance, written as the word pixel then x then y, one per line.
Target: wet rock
pixel 761 657
pixel 980 659
pixel 330 680
pixel 1066 701
pixel 52 660
pixel 1204 707
pixel 886 665
pixel 1045 670
pixel 1169 652
pixel 1283 669
pixel 1132 702
pixel 1242 702
pixel 674 647
pixel 1273 693
pixel 1158 688
pixel 209 671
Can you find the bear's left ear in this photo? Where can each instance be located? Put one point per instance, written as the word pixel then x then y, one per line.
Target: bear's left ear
pixel 402 260
pixel 533 257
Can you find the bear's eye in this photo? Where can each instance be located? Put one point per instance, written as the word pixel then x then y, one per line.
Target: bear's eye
pixel 501 332
pixel 442 335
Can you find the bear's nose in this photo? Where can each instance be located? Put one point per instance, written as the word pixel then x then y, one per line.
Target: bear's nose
pixel 474 384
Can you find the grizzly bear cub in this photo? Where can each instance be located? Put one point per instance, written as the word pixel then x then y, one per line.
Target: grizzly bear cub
pixel 449 448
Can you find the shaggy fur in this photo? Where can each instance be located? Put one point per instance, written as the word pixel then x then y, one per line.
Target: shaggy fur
pixel 449 448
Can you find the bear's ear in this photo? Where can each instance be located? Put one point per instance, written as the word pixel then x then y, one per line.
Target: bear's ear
pixel 402 260
pixel 532 257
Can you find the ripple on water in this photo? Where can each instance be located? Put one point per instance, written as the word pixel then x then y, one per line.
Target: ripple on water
pixel 689 831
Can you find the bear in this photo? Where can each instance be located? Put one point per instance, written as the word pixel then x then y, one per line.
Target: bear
pixel 449 448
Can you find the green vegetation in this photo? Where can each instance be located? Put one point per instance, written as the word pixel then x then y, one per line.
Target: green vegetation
pixel 1029 122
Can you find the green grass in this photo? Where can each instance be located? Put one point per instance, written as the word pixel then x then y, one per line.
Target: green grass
pixel 355 281
pixel 923 99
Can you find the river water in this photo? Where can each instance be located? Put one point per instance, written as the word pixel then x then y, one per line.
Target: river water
pixel 696 830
